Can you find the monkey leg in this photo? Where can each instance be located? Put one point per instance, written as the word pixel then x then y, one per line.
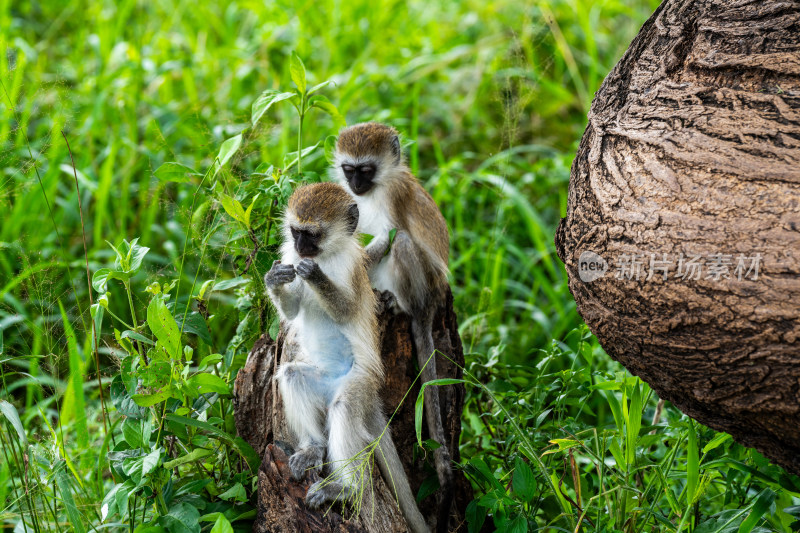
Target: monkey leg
pixel 304 406
pixel 348 447
pixel 421 330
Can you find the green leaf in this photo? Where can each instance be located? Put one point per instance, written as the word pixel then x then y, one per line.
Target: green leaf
pixel 524 481
pixel 74 404
pixel 250 455
pixel 226 151
pixel 103 275
pixel 203 383
pixel 12 416
pixel 233 208
pixel 182 518
pixel 194 455
pixel 692 464
pixel 230 283
pixel 330 148
pixel 235 493
pixel 518 525
pixel 176 173
pixel 265 101
pixel 164 327
pixel 250 210
pixel 290 159
pixel 420 399
pixel 123 401
pixel 199 424
pixel 130 334
pixel 150 461
pixel 147 400
pixel 196 324
pixel 719 438
pixel 323 104
pixel 222 525
pixel 297 71
pixel 65 488
pixel 762 505
pixel 319 86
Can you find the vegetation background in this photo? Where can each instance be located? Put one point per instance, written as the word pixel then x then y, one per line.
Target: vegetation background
pixel 157 102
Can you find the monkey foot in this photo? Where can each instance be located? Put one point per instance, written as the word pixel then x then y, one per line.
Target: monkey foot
pixel 325 491
pixel 306 460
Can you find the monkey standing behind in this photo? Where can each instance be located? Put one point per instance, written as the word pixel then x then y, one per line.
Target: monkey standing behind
pixel 330 391
pixel 368 159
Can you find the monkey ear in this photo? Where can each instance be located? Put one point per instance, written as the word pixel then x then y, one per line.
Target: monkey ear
pixel 396 150
pixel 352 218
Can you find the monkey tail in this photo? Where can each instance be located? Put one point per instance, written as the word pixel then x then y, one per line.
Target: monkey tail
pixel 423 339
pixel 396 479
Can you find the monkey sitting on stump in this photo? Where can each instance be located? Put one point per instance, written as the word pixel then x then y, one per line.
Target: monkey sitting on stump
pixel 368 160
pixel 321 290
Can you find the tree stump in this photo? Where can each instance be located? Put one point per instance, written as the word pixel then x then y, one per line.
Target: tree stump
pixel 260 421
pixel 692 157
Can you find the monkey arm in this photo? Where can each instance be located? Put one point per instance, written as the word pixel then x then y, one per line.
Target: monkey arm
pixel 282 290
pixel 339 304
pixel 376 250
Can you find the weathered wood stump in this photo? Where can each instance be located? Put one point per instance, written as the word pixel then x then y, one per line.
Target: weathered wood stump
pixel 260 421
pixel 682 234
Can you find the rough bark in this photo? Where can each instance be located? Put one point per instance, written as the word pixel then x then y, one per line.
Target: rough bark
pixel 260 421
pixel 693 148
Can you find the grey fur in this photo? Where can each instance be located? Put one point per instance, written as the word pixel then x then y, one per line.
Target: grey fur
pixel 330 390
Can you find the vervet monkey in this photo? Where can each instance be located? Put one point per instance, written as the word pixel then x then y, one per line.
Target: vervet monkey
pixel 330 390
pixel 368 160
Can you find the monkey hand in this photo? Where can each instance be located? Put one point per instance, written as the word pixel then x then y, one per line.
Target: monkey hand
pixel 309 270
pixel 306 460
pixel 279 274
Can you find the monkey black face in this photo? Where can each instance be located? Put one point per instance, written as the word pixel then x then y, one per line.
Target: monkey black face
pixel 306 242
pixel 359 177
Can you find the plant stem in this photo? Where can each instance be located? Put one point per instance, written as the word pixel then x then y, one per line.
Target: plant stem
pixel 95 333
pixel 300 134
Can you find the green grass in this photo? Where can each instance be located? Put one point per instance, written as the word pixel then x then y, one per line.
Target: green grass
pixel 492 98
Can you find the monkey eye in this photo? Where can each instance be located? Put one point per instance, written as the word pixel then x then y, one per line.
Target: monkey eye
pixel 348 170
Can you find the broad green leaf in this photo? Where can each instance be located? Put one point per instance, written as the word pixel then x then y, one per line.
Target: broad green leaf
pixel 250 455
pixel 205 382
pixel 122 399
pixel 233 208
pixel 103 275
pixel 230 283
pixel 147 400
pixel 322 103
pixel 175 172
pixel 222 525
pixel 194 455
pixel 265 101
pixel 297 71
pixel 150 461
pixel 164 327
pixel 524 480
pixel 226 151
pixel 182 518
pixel 136 254
pixel 196 324
pixel 235 493
pixel 12 416
pixel 199 424
pixel 65 488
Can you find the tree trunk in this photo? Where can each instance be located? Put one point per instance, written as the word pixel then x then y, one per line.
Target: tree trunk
pixel 692 152
pixel 260 421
